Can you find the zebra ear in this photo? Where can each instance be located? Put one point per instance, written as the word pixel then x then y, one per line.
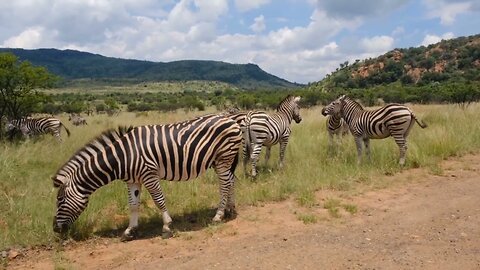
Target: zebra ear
pixel 297 99
pixel 57 182
pixel 342 97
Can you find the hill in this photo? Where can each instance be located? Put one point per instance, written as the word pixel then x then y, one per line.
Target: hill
pixel 454 60
pixel 74 65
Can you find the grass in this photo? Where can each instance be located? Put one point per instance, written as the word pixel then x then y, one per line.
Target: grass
pixel 27 197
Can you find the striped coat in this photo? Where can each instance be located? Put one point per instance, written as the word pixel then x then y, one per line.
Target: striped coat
pixel 145 155
pixel 394 120
pixel 267 130
pixel 36 126
pixel 336 127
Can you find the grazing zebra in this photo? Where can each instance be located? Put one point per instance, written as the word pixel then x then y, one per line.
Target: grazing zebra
pixel 391 120
pixel 34 126
pixel 77 119
pixel 267 130
pixel 145 155
pixel 336 126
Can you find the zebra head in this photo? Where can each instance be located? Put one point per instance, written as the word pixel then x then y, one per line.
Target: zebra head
pixel 296 110
pixel 290 106
pixel 10 126
pixel 69 206
pixel 334 107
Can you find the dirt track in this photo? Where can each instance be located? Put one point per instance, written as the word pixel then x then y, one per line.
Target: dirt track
pixel 422 221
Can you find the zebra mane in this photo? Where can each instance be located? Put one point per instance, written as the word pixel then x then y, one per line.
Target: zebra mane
pixel 103 140
pixel 288 99
pixel 354 102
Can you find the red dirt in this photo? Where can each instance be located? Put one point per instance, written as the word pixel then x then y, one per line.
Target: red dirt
pixel 422 221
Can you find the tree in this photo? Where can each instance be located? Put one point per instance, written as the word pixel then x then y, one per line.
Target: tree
pixel 19 84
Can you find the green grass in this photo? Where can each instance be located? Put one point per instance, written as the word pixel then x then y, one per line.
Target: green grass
pixel 27 197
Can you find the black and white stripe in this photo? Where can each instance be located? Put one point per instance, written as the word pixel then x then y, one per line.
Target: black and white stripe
pixel 145 155
pixel 393 120
pixel 36 126
pixel 263 129
pixel 336 127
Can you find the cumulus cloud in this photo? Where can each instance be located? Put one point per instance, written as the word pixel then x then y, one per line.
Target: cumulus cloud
pixel 448 10
pixel 246 5
pixel 432 39
pixel 258 24
pixel 377 44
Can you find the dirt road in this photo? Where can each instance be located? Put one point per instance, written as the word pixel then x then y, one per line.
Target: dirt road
pixel 422 221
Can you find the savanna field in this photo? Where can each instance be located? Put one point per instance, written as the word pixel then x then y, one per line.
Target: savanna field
pixel 27 196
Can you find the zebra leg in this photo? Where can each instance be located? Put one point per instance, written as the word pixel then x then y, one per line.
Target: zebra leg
pixel 56 134
pixel 155 190
pixel 133 202
pixel 267 155
pixel 230 209
pixel 256 149
pixel 283 148
pixel 227 180
pixel 366 142
pixel 358 142
pixel 401 141
pixel 246 157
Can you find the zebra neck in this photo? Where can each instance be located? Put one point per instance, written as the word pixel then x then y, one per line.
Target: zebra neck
pixel 285 114
pixel 349 112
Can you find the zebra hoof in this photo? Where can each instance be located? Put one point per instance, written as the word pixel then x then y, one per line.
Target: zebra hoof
pixel 166 235
pixel 129 236
pixel 231 213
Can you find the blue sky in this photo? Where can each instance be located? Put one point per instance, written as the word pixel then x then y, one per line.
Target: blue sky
pixel 299 40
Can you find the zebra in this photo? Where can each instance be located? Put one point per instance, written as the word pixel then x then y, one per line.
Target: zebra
pixel 77 119
pixel 145 155
pixel 263 129
pixel 34 126
pixel 393 120
pixel 336 127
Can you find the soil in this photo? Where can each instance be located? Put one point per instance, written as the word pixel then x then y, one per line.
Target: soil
pixel 425 219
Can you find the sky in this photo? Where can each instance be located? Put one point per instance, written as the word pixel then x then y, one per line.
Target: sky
pixel 298 40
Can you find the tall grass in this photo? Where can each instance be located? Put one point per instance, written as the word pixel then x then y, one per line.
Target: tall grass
pixel 27 197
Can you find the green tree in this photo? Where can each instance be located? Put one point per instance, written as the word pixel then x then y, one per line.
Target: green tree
pixel 19 84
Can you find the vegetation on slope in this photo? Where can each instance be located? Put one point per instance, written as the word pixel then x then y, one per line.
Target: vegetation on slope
pixel 454 60
pixel 72 65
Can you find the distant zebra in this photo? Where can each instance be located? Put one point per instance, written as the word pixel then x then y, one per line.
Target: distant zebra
pixel 266 130
pixel 336 127
pixel 391 120
pixel 77 119
pixel 36 126
pixel 145 155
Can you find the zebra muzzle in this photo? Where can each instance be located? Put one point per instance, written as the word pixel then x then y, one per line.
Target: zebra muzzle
pixel 59 229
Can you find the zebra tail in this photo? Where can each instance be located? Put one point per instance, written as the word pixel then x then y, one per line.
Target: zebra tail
pixel 248 139
pixel 66 129
pixel 234 164
pixel 419 122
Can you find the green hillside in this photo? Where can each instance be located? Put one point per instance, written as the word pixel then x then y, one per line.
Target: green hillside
pixel 454 60
pixel 74 65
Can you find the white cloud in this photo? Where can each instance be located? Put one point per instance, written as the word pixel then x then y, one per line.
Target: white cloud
pixel 377 44
pixel 258 24
pixel 432 39
pixel 31 38
pixel 246 5
pixel 448 10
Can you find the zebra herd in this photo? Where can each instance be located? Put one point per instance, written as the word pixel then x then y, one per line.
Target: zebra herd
pixel 182 151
